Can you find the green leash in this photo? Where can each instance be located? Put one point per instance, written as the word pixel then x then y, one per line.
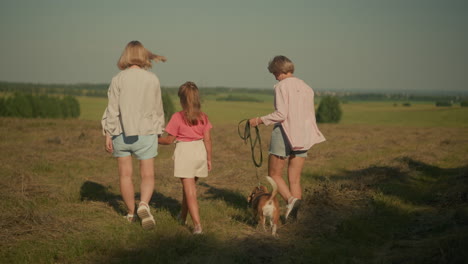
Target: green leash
pixel 253 143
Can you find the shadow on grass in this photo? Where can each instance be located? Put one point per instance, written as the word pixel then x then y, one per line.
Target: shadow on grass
pixel 414 181
pixel 158 200
pixel 93 191
pixel 376 231
pixel 232 198
pixel 179 248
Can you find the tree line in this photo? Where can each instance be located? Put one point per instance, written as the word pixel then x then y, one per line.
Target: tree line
pixel 100 90
pixel 39 106
pixel 95 90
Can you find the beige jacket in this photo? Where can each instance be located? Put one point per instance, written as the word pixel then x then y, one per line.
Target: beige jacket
pixel 135 106
pixel 294 110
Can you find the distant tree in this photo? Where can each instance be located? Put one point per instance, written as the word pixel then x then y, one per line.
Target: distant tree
pixel 70 107
pixel 6 107
pixel 443 103
pixel 23 106
pixel 3 107
pixel 329 110
pixel 168 105
pixel 30 106
pixel 464 103
pixel 239 98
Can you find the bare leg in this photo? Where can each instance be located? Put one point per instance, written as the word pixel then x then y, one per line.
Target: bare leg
pixel 190 190
pixel 275 170
pixel 147 179
pixel 126 184
pixel 184 209
pixel 294 175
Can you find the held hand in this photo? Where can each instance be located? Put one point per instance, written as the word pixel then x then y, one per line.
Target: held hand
pixel 255 121
pixel 108 146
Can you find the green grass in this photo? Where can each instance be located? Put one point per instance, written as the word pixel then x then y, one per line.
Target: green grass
pixel 261 97
pixel 419 114
pixel 92 108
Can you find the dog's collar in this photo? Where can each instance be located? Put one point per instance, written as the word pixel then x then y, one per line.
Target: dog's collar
pixel 258 196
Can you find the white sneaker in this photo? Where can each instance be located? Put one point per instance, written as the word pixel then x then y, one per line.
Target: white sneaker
pixel 130 218
pixel 197 230
pixel 143 212
pixel 292 208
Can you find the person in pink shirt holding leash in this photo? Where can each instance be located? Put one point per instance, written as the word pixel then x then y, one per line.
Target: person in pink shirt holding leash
pixel 295 131
pixel 190 129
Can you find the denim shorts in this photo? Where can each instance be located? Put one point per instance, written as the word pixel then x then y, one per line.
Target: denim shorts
pixel 280 146
pixel 143 147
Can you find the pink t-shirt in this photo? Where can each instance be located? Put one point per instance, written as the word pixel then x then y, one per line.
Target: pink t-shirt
pixel 183 132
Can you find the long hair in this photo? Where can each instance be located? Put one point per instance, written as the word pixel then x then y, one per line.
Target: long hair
pixel 190 101
pixel 136 54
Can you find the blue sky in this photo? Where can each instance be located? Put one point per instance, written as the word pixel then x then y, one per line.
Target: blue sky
pixel 372 45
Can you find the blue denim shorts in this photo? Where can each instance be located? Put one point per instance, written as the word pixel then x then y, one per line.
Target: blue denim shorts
pixel 142 147
pixel 280 146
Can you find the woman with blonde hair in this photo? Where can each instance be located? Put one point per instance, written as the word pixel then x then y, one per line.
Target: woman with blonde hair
pixel 190 129
pixel 132 121
pixel 294 132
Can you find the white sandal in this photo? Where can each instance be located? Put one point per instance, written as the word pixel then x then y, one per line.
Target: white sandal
pixel 147 220
pixel 197 230
pixel 130 218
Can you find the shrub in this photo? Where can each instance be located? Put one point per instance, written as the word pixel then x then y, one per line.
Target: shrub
pixel 443 103
pixel 329 110
pixel 406 104
pixel 30 106
pixel 464 103
pixel 168 105
pixel 239 98
pixel 70 107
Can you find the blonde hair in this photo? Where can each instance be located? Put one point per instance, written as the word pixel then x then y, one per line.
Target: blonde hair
pixel 136 54
pixel 280 64
pixel 190 101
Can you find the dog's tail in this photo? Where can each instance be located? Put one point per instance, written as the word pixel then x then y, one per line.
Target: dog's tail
pixel 275 188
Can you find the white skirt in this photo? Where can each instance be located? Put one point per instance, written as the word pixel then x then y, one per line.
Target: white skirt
pixel 190 159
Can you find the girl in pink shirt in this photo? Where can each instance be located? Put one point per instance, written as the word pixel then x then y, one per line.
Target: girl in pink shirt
pixel 190 129
pixel 295 130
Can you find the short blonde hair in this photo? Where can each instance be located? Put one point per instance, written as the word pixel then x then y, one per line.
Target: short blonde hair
pixel 280 64
pixel 136 54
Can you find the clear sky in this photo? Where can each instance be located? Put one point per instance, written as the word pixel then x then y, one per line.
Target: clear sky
pixel 371 45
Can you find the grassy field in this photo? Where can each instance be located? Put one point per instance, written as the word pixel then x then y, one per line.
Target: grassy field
pixel 390 185
pixel 419 114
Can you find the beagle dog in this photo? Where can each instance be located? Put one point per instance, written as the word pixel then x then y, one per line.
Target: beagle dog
pixel 265 205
